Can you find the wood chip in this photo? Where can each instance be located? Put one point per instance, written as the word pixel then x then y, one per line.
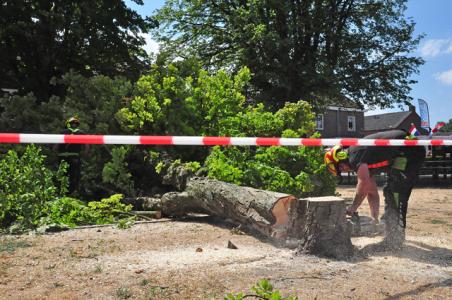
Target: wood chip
pixel 231 245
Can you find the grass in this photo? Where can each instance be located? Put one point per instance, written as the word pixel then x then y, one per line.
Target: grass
pixel 144 282
pixel 98 269
pixel 10 245
pixel 50 267
pixel 123 293
pixel 80 253
pixel 72 253
pixel 158 291
pixel 436 221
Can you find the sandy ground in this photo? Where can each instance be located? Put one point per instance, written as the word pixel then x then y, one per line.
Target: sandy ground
pixel 188 259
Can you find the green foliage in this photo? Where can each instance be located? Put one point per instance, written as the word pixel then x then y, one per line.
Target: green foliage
pixel 262 290
pixel 159 167
pixel 19 113
pixel 181 98
pixel 94 100
pixel 319 50
pixel 27 188
pixel 45 39
pixel 447 127
pixel 32 195
pixel 104 211
pixel 126 223
pixel 193 166
pixel 68 211
pixel 73 212
pixel 160 97
pixel 188 101
pixel 296 170
pixel 116 171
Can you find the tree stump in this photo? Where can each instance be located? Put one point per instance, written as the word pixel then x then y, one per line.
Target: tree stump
pixel 320 226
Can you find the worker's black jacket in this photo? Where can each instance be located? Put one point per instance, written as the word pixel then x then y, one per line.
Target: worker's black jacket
pixel 70 150
pixel 378 158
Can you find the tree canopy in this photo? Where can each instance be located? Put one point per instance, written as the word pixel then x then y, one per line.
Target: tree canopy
pixel 319 50
pixel 447 127
pixel 40 40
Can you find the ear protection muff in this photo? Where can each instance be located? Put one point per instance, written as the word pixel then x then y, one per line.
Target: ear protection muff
pixel 339 153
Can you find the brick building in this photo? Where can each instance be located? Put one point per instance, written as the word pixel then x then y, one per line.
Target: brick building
pixel 340 122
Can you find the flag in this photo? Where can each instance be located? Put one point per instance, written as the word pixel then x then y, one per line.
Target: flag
pixel 437 128
pixel 413 131
pixel 423 112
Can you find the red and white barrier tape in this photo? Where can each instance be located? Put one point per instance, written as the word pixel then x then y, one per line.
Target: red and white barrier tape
pixel 24 138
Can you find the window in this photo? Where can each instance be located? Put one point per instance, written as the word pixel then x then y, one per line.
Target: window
pixel 319 122
pixel 351 123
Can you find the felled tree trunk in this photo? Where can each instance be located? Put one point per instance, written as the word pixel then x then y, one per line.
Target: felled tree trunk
pixel 253 208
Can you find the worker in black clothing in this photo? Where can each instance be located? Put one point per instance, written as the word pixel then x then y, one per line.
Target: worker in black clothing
pixel 70 153
pixel 402 166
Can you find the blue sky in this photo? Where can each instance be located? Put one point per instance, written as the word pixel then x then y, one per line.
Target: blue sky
pixel 432 18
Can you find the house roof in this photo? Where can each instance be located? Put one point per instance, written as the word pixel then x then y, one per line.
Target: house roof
pixel 385 121
pixel 344 102
pixel 443 134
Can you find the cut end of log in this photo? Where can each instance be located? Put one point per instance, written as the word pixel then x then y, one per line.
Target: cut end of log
pixel 280 212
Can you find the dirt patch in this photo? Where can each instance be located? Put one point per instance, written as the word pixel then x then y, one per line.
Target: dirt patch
pixel 189 259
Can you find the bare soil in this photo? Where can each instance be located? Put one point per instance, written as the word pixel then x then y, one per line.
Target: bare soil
pixel 189 259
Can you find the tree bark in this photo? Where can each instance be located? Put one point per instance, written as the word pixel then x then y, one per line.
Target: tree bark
pixel 257 209
pixel 320 226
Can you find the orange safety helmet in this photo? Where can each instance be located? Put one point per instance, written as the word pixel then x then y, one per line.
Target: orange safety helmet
pixel 333 157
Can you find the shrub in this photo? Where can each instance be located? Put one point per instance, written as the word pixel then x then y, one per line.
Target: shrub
pixel 32 195
pixel 262 290
pixel 73 212
pixel 105 211
pixel 68 211
pixel 116 172
pixel 27 187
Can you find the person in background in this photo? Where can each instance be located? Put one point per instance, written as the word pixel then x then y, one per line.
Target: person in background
pixel 402 166
pixel 71 153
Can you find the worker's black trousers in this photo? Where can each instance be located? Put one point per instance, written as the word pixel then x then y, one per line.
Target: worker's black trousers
pixel 397 191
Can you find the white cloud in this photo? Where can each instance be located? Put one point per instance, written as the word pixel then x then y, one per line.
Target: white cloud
pixel 432 48
pixel 151 45
pixel 445 77
pixel 449 49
